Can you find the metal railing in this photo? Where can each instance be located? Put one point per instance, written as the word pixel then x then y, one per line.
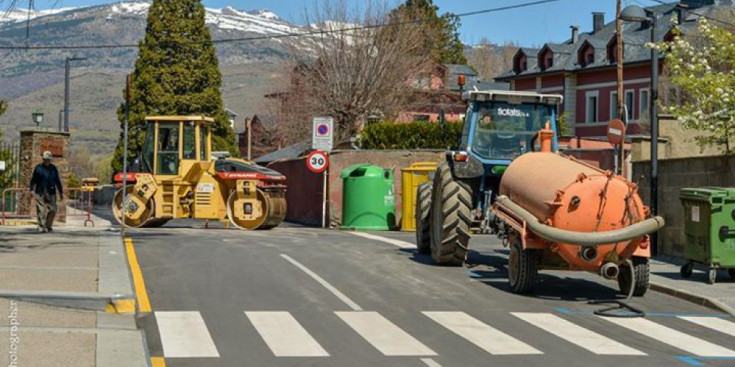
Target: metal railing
pixel 17 204
pixel 79 203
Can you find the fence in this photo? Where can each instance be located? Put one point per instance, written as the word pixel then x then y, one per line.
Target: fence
pixel 9 165
pixel 17 205
pixel 79 203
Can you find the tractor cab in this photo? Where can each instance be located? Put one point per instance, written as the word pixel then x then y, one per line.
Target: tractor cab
pixel 175 144
pixel 499 126
pixel 502 125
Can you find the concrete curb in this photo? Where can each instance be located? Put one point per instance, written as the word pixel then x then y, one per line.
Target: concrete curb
pixel 693 297
pixel 113 303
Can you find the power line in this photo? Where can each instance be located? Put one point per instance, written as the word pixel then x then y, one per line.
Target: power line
pixel 279 36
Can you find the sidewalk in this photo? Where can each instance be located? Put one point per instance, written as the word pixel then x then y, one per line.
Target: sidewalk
pixel 66 298
pixel 665 277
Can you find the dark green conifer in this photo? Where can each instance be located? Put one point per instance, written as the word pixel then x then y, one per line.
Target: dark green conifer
pixel 176 73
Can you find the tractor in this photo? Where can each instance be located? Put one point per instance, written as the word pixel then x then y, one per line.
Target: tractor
pixel 552 211
pixel 176 178
pixel 499 126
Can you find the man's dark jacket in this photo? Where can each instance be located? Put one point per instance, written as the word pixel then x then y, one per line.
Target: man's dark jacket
pixel 45 180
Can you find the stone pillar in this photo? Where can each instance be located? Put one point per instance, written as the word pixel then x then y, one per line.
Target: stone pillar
pixel 33 143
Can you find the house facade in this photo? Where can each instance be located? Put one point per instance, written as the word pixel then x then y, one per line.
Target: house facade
pixel 584 68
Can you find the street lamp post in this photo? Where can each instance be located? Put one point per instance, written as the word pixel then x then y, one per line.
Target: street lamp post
pixel 634 13
pixel 66 90
pixel 37 116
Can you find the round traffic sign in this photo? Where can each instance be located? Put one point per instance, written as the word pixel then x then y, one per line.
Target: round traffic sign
pixel 616 132
pixel 322 130
pixel 317 161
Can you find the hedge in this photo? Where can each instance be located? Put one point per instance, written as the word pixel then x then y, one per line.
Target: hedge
pixel 414 135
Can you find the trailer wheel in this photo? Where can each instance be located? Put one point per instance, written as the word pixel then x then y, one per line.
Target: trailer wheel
pixel 423 217
pixel 523 269
pixel 642 270
pixel 450 218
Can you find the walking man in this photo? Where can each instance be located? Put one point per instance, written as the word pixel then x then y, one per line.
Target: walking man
pixel 44 185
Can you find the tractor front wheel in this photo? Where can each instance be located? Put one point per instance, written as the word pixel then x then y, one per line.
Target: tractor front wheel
pixel 451 218
pixel 423 216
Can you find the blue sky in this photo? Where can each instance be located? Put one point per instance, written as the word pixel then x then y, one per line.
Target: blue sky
pixel 530 26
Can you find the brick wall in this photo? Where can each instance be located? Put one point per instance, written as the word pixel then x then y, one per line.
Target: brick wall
pixel 304 187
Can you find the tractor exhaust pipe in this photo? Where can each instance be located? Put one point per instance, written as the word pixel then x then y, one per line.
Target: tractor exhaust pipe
pixel 609 271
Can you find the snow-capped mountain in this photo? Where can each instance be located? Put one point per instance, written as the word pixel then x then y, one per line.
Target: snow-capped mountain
pixel 123 23
pixel 228 18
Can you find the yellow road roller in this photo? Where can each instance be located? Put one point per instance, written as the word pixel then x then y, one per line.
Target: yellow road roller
pixel 174 177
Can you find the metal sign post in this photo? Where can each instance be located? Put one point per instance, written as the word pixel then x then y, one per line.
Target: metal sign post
pixel 324 200
pixel 128 80
pixel 616 137
pixel 318 162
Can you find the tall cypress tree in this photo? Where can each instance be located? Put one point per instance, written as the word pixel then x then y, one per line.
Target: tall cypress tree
pixel 176 73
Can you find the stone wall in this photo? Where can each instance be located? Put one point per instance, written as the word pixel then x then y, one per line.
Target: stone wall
pixel 673 175
pixel 32 145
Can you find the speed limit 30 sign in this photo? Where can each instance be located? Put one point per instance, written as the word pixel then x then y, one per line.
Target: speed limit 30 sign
pixel 317 161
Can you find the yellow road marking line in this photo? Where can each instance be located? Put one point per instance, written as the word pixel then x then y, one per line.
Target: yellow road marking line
pixel 158 362
pixel 144 305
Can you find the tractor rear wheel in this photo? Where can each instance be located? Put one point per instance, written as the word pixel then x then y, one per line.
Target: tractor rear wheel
pixel 522 268
pixel 136 223
pixel 450 218
pixel 641 270
pixel 423 217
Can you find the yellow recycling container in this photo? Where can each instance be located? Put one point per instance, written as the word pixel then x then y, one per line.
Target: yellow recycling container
pixel 411 178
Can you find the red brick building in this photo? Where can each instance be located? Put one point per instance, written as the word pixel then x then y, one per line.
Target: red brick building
pixel 583 68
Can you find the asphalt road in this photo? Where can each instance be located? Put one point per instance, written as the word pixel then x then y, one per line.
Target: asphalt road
pixel 307 297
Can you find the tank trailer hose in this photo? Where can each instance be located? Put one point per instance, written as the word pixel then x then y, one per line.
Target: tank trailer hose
pixel 552 234
pixel 618 304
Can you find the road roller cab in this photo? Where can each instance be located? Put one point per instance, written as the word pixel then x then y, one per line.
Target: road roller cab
pixel 175 178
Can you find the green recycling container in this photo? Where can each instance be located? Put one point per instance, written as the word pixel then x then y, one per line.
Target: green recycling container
pixel 709 226
pixel 368 202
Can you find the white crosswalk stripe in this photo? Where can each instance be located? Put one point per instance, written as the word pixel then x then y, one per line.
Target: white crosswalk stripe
pixel 674 338
pixel 714 323
pixel 284 335
pixel 184 334
pixel 382 334
pixel 576 334
pixel 480 334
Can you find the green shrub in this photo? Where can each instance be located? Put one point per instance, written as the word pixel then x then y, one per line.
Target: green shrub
pixel 415 135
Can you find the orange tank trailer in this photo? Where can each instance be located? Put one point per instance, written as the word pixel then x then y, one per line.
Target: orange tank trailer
pixel 548 198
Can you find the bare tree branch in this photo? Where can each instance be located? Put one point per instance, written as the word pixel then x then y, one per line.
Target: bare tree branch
pixel 352 74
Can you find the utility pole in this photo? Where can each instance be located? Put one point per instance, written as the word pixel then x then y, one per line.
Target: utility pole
pixel 66 90
pixel 249 128
pixel 621 97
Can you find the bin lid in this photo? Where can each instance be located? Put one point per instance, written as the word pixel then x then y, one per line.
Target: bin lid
pixel 421 167
pixel 706 193
pixel 362 170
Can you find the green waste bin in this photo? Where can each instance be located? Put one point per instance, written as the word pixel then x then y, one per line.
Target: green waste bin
pixel 709 226
pixel 368 201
